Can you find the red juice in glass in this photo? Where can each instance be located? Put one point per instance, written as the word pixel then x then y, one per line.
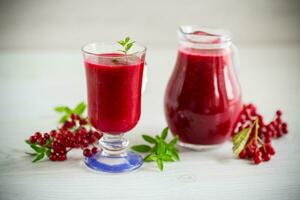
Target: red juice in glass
pixel 114 86
pixel 114 92
pixel 203 96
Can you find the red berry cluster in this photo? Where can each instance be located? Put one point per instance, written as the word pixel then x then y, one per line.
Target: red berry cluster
pixel 73 133
pixel 259 147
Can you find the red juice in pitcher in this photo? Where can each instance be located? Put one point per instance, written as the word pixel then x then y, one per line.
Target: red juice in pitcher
pixel 203 96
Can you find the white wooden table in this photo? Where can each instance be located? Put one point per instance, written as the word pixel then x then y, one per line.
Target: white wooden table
pixel 32 83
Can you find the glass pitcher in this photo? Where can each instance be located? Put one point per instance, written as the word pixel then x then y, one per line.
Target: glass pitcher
pixel 203 96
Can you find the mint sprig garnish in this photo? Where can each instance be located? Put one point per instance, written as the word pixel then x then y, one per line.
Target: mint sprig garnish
pixel 78 110
pixel 161 151
pixel 126 44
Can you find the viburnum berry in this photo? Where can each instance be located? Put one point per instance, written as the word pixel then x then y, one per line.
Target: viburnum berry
pixel 257 159
pixel 94 150
pixel 87 152
pixel 53 157
pixel 32 139
pixel 41 141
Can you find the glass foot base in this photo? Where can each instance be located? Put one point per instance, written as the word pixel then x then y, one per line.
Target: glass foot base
pixel 198 147
pixel 114 164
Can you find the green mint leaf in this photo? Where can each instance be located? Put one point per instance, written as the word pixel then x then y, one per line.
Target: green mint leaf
pixel 164 133
pixel 141 148
pixel 240 140
pixel 60 109
pixel 27 142
pixel 127 39
pixel 80 108
pixel 160 164
pixel 39 157
pixel 167 158
pixel 173 141
pixel 36 148
pixel 150 157
pixel 161 148
pixel 128 46
pixel 174 154
pixel 64 118
pixel 122 43
pixel 149 139
pixel 154 149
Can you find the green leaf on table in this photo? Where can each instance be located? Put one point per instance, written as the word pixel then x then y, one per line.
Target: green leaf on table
pixel 37 148
pixel 167 158
pixel 174 154
pixel 164 133
pixel 160 164
pixel 141 148
pixel 149 139
pixel 161 150
pixel 150 157
pixel 39 157
pixel 173 141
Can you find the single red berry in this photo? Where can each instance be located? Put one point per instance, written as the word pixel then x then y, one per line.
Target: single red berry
pixel 262 150
pixel 87 152
pixel 94 150
pixel 266 157
pixel 267 139
pixel 41 141
pixel 83 122
pixel 278 112
pixel 32 139
pixel 72 124
pixel 243 154
pixel 250 152
pixel 53 133
pixel 82 131
pixel 258 153
pixel 73 116
pixel 85 143
pixel 257 159
pixel 278 120
pixel 38 135
pixel 284 128
pixel 62 157
pixel 56 146
pixel 46 136
pixel 53 157
pixel 270 149
pixel 97 135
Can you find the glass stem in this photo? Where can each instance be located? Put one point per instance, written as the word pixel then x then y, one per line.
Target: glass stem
pixel 113 145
